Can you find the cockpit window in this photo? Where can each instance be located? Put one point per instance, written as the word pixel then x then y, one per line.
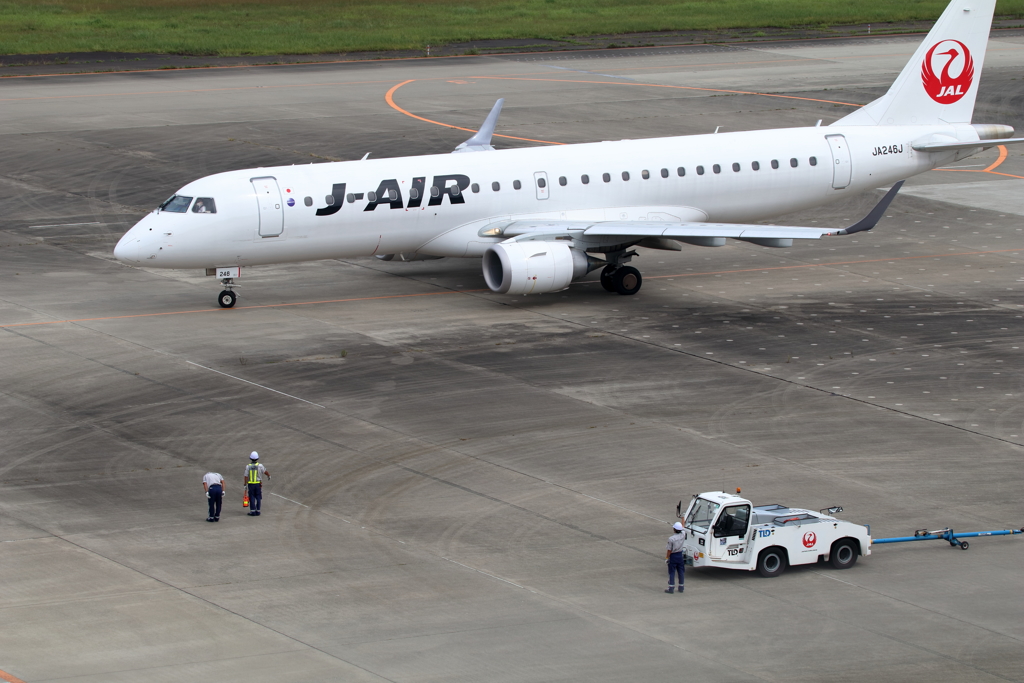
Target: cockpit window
pixel 205 205
pixel 176 204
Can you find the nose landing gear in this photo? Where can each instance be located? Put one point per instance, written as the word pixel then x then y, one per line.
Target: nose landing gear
pixel 227 298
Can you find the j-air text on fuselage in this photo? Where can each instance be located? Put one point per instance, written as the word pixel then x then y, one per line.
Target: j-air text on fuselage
pixel 542 217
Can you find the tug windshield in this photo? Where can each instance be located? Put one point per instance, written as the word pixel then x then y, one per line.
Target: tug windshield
pixel 701 514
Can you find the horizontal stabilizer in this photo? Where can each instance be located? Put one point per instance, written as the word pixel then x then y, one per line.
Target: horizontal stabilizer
pixel 953 146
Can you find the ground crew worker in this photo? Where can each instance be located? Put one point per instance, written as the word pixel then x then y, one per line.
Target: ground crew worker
pixel 213 484
pixel 674 557
pixel 254 473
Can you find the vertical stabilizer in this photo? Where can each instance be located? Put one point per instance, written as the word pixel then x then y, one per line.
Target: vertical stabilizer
pixel 940 82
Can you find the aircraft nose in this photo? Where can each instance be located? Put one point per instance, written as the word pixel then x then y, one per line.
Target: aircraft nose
pixel 129 247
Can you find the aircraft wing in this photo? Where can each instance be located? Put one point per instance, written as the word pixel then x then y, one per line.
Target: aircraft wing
pixel 769 235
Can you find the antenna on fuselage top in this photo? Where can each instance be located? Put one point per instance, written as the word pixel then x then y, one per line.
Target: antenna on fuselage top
pixel 364 156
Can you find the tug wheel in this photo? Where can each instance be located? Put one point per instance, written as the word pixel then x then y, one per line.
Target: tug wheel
pixel 771 562
pixel 964 545
pixel 843 554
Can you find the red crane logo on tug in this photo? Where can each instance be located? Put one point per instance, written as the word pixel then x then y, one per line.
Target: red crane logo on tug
pixel 810 539
pixel 944 88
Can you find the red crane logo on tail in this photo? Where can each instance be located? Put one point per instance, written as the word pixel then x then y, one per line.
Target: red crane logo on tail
pixel 944 88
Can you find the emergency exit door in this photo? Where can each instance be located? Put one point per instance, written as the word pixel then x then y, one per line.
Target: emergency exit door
pixel 268 197
pixel 842 169
pixel 540 179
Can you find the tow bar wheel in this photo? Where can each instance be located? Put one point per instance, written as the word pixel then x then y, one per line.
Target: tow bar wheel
pixel 843 554
pixel 771 562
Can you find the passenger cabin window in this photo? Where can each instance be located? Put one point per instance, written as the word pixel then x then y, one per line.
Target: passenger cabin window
pixel 495 186
pixel 625 175
pixel 606 177
pixel 645 174
pixel 793 162
pixel 435 191
pixel 813 161
pixel 700 170
pixel 454 191
pixel 736 167
pixel 680 171
pixel 541 182
pixel 585 179
pixel 308 201
pixel 176 204
pixel 733 521
pixel 413 194
pixel 475 187
pixel 562 181
pixel 664 173
pixel 516 185
pixel 775 163
pixel 716 168
pixel 205 205
pixel 756 165
pixel 351 197
pixel 372 196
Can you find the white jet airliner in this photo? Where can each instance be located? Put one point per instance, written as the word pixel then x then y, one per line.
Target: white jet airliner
pixel 542 217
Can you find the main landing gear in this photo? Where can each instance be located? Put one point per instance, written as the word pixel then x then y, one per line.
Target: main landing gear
pixel 227 298
pixel 625 280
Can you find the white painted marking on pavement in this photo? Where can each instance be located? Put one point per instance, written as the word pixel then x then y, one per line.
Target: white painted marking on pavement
pixel 255 385
pixel 288 499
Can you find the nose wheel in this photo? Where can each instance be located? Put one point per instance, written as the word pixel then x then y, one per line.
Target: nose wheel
pixel 625 280
pixel 227 298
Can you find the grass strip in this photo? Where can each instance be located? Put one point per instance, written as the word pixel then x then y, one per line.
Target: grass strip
pixel 268 27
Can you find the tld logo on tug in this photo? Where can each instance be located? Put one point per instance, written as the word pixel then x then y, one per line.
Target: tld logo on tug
pixel 945 88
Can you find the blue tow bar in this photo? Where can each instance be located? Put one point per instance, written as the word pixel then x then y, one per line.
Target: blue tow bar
pixel 947 535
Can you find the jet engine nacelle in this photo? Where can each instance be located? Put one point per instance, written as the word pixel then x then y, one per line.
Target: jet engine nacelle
pixel 534 267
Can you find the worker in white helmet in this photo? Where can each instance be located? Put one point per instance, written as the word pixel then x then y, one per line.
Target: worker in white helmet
pixel 254 473
pixel 674 557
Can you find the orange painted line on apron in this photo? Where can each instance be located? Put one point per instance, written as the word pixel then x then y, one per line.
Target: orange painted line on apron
pixel 9 678
pixel 676 87
pixel 389 98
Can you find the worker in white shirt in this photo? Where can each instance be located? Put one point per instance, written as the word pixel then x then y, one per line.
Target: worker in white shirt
pixel 213 484
pixel 254 473
pixel 674 557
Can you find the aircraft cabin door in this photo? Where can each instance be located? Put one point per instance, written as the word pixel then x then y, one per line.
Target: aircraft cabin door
pixel 842 169
pixel 268 197
pixel 540 179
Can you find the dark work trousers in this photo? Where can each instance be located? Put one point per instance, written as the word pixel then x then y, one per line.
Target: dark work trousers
pixel 255 497
pixel 216 498
pixel 676 565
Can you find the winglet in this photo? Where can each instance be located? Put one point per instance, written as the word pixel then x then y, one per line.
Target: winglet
pixel 481 141
pixel 871 220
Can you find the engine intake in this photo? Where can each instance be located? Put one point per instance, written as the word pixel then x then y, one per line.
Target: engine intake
pixel 530 267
